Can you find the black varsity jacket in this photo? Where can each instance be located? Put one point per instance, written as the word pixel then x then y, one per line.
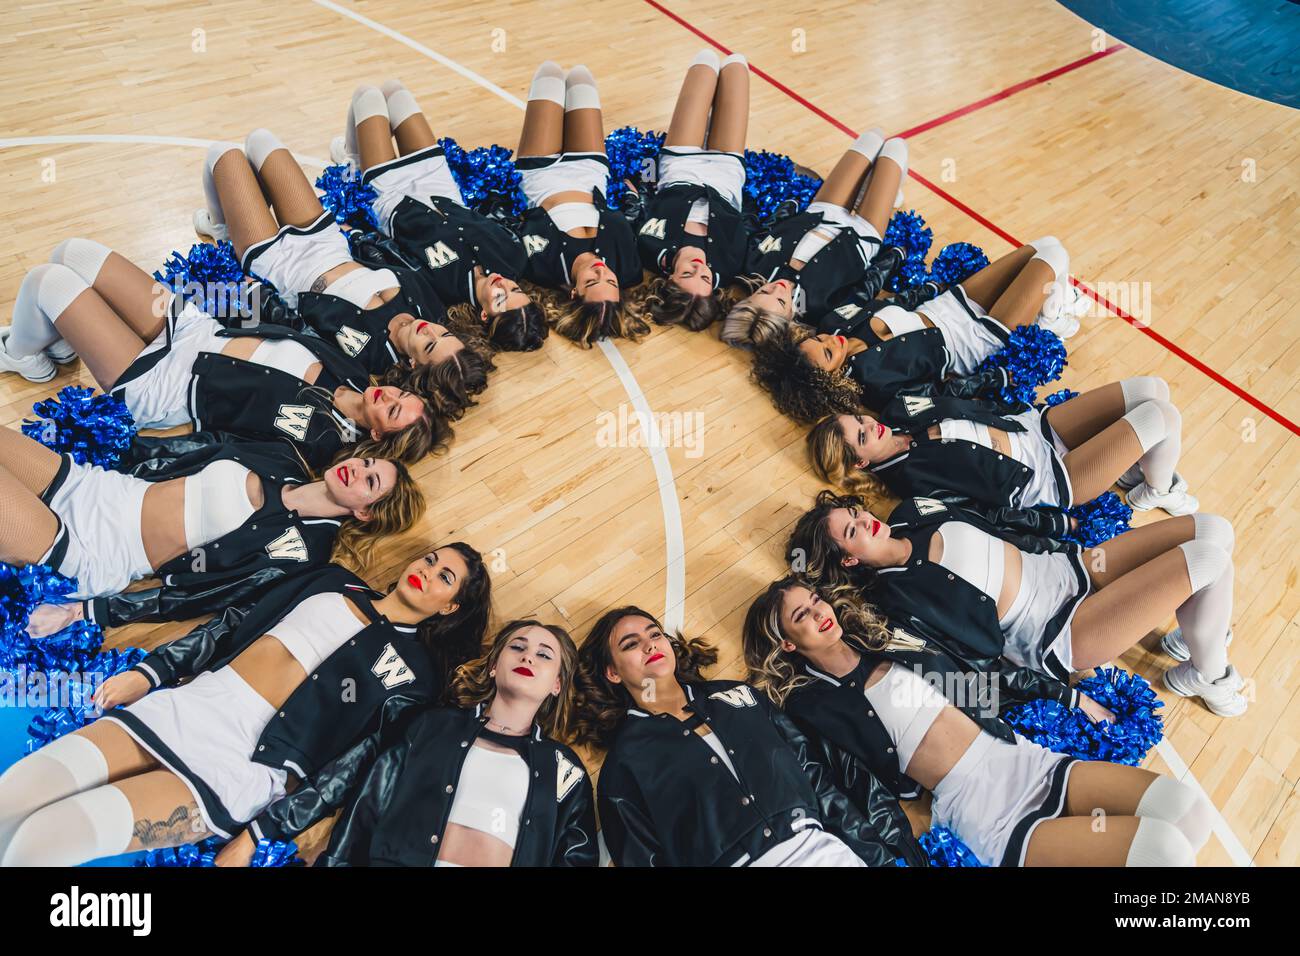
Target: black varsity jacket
pixel 364 686
pixel 551 252
pixel 925 598
pixel 664 232
pixel 397 792
pixel 666 799
pixel 273 545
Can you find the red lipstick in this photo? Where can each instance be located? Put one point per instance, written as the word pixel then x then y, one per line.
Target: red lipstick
pixel 523 671
pixel 414 581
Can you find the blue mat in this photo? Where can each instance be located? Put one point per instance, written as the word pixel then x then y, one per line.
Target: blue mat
pixel 1252 46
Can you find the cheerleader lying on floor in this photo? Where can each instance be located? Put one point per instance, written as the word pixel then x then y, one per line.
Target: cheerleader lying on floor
pixel 218 525
pixel 209 756
pixel 575 243
pixel 709 773
pixel 473 262
pixel 806 262
pixel 694 238
pixel 1044 604
pixel 862 357
pixel 850 681
pixel 480 782
pixel 173 364
pixel 1065 455
pixel 384 318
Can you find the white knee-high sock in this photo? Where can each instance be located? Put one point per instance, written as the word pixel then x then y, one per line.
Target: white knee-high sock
pixel 79 828
pixel 85 257
pixel 1206 615
pixel 60 769
pixel 580 90
pixel 548 83
pixel 1183 806
pixel 731 58
pixel 261 143
pixel 869 143
pixel 401 106
pixel 1159 843
pixel 45 292
pixel 1143 388
pixel 367 101
pixel 1159 429
pixel 707 57
pixel 215 152
pixel 1216 530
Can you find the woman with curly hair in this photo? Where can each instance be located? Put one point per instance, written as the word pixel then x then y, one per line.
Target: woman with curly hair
pixel 581 250
pixel 480 781
pixel 869 693
pixel 474 264
pixel 710 773
pixel 866 353
pixel 1126 433
pixel 694 238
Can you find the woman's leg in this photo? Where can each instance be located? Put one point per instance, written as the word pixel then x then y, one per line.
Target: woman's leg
pixel 241 204
pixel 729 127
pixel 883 183
pixel 1021 302
pixel 139 298
pixel 690 123
pixel 29 528
pixel 985 286
pixel 543 129
pixel 294 201
pixel 368 129
pixel 584 128
pixel 841 186
pixel 409 125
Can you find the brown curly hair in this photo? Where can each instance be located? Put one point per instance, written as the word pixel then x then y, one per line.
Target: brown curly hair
pixel 587 322
pixel 600 704
pixel 395 512
pixel 811 543
pixel 450 386
pixel 666 303
pixel 835 463
pixel 514 330
pixel 473 682
pixel 798 388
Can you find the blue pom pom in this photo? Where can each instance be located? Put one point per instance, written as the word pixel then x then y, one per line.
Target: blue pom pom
pixel 1056 398
pixel 944 848
pixel 771 179
pixel 957 261
pixel 632 155
pixel 349 199
pixel 210 275
pixel 908 231
pixel 22 589
pixel 93 429
pixel 487 177
pixel 1137 728
pixel 1099 519
pixel 1034 357
pixel 81 710
pixel 204 853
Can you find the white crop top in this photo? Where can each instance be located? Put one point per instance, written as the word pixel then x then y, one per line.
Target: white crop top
pixel 569 216
pixel 956 428
pixel 490 794
pixel 216 502
pixel 907 705
pixel 316 628
pixel 359 286
pixel 899 321
pixel 973 555
pixel 285 355
pixel 699 212
pixel 813 241
pixel 715 743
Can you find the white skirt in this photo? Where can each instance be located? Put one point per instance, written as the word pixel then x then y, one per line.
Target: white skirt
pixel 420 175
pixel 205 732
pixel 997 794
pixel 156 388
pixel 696 166
pixel 1039 447
pixel 812 846
pixel 101 512
pixel 1048 582
pixel 543 176
pixel 294 258
pixel 840 218
pixel 968 342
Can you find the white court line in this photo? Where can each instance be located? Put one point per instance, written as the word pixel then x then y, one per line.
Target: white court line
pixel 674 539
pixel 133 140
pixel 1240 856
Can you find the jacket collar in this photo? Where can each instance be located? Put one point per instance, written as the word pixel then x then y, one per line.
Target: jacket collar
pixel 637 712
pixel 480 715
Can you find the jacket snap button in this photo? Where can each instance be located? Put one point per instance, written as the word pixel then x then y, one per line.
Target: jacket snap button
pixel 526 822
pixel 950 577
pixel 281 713
pixel 315 676
pixel 450 788
pixel 984 597
pixel 744 801
pixel 537 773
pixel 853 683
pixel 889 750
pixel 766 832
pixel 464 743
pixel 261 747
pixel 353 643
pixel 686 733
pixel 713 760
pixel 434 838
pixel 871 713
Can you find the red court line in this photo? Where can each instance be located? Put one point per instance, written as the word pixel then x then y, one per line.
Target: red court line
pixel 1190 359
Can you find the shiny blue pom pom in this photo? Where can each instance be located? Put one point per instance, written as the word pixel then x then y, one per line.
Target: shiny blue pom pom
pixel 487 177
pixel 269 853
pixel 1056 398
pixel 944 848
pixel 93 429
pixel 908 231
pixel 1034 357
pixel 345 196
pixel 771 179
pixel 957 261
pixel 1100 519
pixel 632 154
pixel 209 275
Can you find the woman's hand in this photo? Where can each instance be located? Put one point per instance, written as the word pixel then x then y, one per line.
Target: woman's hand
pixel 238 852
pixel 49 619
pixel 124 688
pixel 1094 710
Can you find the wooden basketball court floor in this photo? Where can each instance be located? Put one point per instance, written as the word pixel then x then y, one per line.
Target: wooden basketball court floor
pixel 1176 198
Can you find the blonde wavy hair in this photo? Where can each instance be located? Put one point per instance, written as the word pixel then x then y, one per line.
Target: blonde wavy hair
pixel 473 682
pixel 746 325
pixel 586 323
pixel 835 463
pixel 394 513
pixel 773 669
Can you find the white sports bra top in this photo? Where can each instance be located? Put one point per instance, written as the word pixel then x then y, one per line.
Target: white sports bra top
pixel 699 212
pixel 216 502
pixel 955 428
pixel 316 628
pixel 568 216
pixel 359 286
pixel 907 706
pixel 899 321
pixel 285 355
pixel 490 794
pixel 715 743
pixel 813 241
pixel 973 555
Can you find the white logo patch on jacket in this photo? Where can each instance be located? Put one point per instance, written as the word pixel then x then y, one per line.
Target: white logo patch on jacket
pixel 535 244
pixel 657 228
pixel 568 774
pixel 741 696
pixel 916 404
pixel 293 420
pixel 440 254
pixel 391 669
pixel 929 506
pixel 769 244
pixel 288 547
pixel 350 340
pixel 848 311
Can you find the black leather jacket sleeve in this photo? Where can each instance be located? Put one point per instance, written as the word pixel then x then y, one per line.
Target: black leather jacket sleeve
pixel 575 828
pixel 1018 684
pixel 976 384
pixel 839 815
pixel 187 655
pixel 175 603
pixel 629 834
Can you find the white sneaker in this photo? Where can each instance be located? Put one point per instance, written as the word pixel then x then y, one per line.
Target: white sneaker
pixel 1222 696
pixel 339 154
pixel 1064 325
pixel 34 368
pixel 1130 478
pixel 1174 645
pixel 1176 501
pixel 62 352
pixel 208 229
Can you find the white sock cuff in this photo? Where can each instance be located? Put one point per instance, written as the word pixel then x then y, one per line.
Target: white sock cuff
pixel 85 257
pixel 59 285
pixel 1149 424
pixel 1216 530
pixel 389 87
pixel 550 88
pixel 895 149
pixel 1143 388
pixel 869 143
pixel 1159 843
pixel 401 106
pixel 581 96
pixel 1205 563
pixel 1166 799
pixel 731 58
pixel 217 150
pixel 367 103
pixel 709 58
pixel 82 759
pixel 260 144
pixel 1046 242
pixel 1056 257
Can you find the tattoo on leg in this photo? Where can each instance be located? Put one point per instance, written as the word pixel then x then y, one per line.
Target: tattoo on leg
pixel 184 825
